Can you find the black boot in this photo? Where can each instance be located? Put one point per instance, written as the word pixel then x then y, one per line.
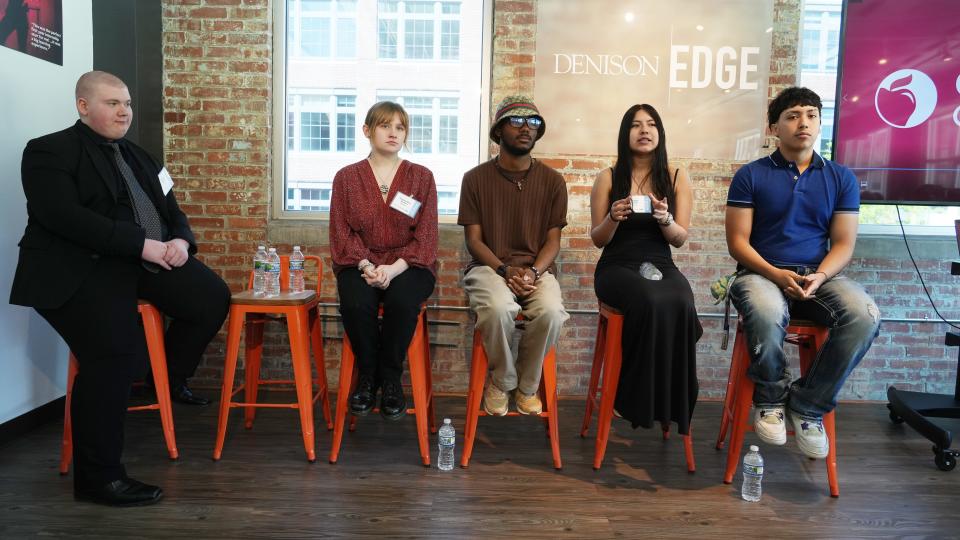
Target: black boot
pixel 393 406
pixel 364 397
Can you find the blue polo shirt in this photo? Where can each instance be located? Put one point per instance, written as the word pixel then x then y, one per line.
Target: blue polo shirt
pixel 792 211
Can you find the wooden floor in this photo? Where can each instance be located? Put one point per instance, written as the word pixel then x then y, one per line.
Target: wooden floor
pixel 264 487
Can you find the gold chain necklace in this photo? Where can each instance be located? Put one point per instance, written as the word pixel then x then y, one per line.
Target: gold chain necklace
pixel 503 172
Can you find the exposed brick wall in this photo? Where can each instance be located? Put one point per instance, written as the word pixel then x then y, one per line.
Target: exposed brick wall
pixel 218 98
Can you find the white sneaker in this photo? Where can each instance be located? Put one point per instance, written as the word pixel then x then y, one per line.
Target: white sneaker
pixel 769 425
pixel 811 438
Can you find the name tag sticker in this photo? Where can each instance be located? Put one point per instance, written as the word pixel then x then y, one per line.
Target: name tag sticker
pixel 166 182
pixel 405 204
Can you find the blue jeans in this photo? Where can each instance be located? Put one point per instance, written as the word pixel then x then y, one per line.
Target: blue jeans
pixel 840 304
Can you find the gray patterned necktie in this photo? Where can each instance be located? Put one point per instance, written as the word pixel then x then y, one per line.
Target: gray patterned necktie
pixel 144 212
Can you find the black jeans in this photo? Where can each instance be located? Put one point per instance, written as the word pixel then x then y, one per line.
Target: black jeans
pixel 101 326
pixel 381 346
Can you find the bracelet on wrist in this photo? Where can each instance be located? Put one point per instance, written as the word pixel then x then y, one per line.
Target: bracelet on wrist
pixel 666 221
pixel 536 273
pixel 363 265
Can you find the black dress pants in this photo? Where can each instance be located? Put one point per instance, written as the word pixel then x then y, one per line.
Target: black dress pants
pixel 381 347
pixel 101 326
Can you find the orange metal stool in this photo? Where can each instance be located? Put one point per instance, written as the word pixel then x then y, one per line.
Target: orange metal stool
pixel 153 331
pixel 547 391
pixel 303 327
pixel 607 359
pixel 738 402
pixel 421 382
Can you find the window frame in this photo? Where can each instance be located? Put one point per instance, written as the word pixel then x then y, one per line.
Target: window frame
pixel 278 122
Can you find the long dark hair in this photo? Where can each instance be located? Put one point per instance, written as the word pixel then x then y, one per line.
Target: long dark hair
pixel 660 182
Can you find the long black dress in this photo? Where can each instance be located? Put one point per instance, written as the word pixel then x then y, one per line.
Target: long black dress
pixel 658 378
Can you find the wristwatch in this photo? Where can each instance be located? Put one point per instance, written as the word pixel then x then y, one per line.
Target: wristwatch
pixel 502 270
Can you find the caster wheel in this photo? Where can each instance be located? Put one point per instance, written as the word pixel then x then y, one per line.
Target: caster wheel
pixel 945 460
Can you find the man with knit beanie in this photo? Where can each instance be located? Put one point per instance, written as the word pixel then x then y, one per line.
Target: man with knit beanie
pixel 512 208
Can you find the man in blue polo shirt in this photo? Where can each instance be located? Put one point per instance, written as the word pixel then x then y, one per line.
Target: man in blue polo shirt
pixel 791 223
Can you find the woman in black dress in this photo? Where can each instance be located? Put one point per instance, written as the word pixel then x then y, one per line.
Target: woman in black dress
pixel 658 379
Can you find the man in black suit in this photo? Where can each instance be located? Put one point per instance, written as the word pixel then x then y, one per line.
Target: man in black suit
pixel 104 229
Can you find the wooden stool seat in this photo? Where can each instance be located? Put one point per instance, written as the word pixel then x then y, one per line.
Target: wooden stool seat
pixel 303 328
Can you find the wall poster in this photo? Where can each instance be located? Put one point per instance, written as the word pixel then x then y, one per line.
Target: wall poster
pixel 33 27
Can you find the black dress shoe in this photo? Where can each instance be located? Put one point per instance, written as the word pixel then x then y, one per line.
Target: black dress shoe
pixel 393 406
pixel 364 397
pixel 181 393
pixel 123 492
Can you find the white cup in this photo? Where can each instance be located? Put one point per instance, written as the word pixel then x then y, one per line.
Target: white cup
pixel 640 204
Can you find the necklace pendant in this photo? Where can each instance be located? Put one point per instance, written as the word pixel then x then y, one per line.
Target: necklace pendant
pixel 520 185
pixel 384 189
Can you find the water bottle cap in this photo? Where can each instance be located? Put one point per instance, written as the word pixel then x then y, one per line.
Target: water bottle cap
pixel 754 448
pixel 446 421
pixel 273 250
pixel 296 248
pixel 261 247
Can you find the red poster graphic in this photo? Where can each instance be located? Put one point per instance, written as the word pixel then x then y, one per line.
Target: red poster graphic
pixel 33 27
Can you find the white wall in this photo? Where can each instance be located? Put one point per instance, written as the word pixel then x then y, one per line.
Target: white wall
pixel 36 97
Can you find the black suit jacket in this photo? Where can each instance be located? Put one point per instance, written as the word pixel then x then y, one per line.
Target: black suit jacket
pixel 71 191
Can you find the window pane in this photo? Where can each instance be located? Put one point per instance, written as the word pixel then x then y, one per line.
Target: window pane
pixel 811 49
pixel 389 6
pixel 346 6
pixel 450 40
pixel 346 130
pixel 314 131
pixel 316 5
pixel 387 38
pixel 448 135
pixel 419 7
pixel 451 8
pixel 418 42
pixel 421 133
pixel 315 37
pixel 346 38
pixel 291 126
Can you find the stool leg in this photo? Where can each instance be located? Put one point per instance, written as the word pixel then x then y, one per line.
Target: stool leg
pixel 688 451
pixel 741 418
pixel 343 396
pixel 478 374
pixel 298 328
pixel 613 357
pixel 428 372
pixel 550 389
pixel 829 425
pixel 66 446
pixel 730 395
pixel 665 428
pixel 418 381
pixel 316 340
pixel 234 329
pixel 153 331
pixel 594 373
pixel 253 352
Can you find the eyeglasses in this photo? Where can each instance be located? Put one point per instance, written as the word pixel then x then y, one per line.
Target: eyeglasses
pixel 532 121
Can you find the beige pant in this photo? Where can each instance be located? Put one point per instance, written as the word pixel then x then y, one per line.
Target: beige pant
pixel 497 307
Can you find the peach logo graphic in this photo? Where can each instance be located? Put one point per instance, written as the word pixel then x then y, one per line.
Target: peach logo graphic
pixel 906 98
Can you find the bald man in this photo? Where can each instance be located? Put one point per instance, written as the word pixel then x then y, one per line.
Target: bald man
pixel 104 229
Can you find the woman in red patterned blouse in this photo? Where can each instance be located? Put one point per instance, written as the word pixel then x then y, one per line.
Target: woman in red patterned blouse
pixel 383 241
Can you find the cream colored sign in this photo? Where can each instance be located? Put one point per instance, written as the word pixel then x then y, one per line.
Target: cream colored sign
pixel 703 64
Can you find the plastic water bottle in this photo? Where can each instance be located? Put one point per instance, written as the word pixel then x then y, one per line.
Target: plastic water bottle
pixel 752 475
pixel 448 440
pixel 296 270
pixel 272 287
pixel 259 268
pixel 649 271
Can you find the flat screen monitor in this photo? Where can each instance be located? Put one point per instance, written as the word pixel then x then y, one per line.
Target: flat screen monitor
pixel 897 119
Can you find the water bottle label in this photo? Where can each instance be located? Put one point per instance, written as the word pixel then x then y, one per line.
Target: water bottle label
pixel 258 265
pixel 753 470
pixel 296 265
pixel 269 267
pixel 447 441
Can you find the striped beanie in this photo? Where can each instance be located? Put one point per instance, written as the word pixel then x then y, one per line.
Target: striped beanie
pixel 516 106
